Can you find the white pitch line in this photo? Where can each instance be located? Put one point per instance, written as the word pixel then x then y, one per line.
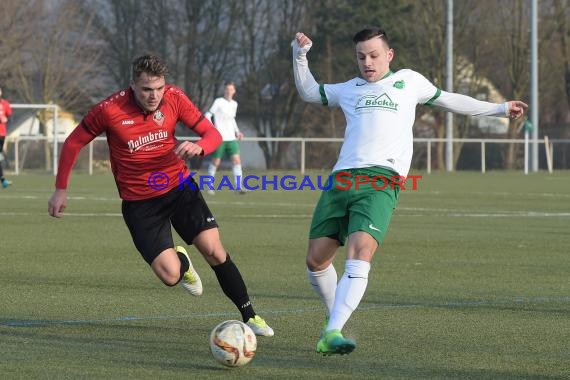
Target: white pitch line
pixel 421 192
pixel 113 214
pixel 261 216
pixel 491 193
pixel 480 214
pixel 421 213
pixel 519 301
pixel 400 211
pixel 524 215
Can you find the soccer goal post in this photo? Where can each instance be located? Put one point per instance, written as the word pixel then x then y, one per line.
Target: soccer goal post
pixel 17 136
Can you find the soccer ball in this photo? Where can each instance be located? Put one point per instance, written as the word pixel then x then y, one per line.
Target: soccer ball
pixel 233 343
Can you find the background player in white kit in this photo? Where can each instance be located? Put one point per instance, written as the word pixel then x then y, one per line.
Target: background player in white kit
pixel 222 114
pixel 379 108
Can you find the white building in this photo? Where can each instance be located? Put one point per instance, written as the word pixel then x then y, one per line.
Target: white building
pixel 26 124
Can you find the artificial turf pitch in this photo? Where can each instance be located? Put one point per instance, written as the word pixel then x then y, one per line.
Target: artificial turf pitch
pixel 471 282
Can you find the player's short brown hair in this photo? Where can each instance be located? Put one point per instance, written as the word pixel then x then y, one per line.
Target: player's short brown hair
pixel 150 64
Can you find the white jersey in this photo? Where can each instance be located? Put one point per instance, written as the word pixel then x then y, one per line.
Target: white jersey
pixel 379 116
pixel 224 112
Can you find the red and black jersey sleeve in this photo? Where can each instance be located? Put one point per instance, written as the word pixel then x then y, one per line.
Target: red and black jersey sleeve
pixel 71 148
pixel 210 137
pixel 95 121
pixel 191 116
pixel 92 125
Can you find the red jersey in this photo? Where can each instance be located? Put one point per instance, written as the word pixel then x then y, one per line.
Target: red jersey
pixel 5 113
pixel 141 144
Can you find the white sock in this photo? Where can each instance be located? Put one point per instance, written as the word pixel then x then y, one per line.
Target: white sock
pixel 212 170
pixel 324 283
pixel 211 175
pixel 237 175
pixel 349 292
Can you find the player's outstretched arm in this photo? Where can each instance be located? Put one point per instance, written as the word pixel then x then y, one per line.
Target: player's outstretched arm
pixel 466 105
pixel 306 84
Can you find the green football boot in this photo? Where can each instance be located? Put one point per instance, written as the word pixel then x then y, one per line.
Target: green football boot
pixel 333 343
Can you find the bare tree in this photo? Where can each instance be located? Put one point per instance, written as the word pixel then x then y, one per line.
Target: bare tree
pixel 195 37
pixel 265 32
pixel 428 26
pixel 74 52
pixel 562 17
pixel 208 48
pixel 513 20
pixel 118 24
pixel 54 66
pixel 492 40
pixel 17 28
pixel 473 33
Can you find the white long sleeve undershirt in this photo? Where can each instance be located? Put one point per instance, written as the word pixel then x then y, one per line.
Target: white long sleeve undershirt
pixel 307 86
pixel 466 105
pixel 308 89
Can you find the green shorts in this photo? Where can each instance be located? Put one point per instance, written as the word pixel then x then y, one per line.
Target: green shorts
pixel 228 148
pixel 359 200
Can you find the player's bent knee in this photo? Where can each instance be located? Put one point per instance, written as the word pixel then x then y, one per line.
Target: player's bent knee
pixel 170 280
pixel 218 257
pixel 315 263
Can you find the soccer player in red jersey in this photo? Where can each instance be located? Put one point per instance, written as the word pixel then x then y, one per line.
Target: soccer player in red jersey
pixel 154 182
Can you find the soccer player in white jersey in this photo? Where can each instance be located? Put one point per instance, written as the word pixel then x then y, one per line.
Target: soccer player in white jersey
pixel 379 107
pixel 223 111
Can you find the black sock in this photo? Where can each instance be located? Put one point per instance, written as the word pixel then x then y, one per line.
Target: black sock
pixel 184 264
pixel 234 288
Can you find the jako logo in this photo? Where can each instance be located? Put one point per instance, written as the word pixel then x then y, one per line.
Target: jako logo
pixel 127 122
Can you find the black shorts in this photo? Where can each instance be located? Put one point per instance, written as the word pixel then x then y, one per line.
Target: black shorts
pixel 149 220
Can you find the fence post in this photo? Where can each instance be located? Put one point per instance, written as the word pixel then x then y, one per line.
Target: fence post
pixel 483 158
pixel 303 156
pixel 526 158
pixel 55 140
pixel 429 156
pixel 16 156
pixel 548 154
pixel 91 158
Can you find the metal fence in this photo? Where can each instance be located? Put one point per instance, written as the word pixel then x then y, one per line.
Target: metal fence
pixel 32 153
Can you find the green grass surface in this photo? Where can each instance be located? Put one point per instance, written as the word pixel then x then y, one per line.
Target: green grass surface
pixel 472 282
